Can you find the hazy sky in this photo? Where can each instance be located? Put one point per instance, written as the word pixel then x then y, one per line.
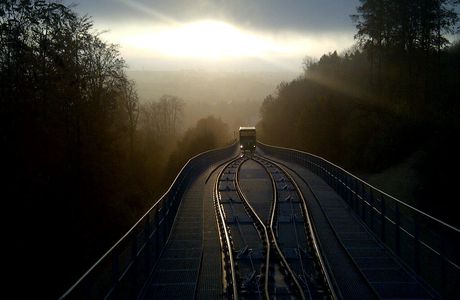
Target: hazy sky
pixel 232 35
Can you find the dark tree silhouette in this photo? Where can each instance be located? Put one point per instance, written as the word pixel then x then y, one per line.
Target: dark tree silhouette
pixel 404 40
pixel 394 94
pixel 67 118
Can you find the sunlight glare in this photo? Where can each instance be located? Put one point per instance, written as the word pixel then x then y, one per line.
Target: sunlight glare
pixel 203 39
pixel 218 45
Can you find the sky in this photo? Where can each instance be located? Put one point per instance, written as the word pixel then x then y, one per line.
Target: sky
pixel 222 35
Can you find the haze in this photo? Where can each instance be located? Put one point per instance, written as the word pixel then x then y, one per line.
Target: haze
pixel 209 51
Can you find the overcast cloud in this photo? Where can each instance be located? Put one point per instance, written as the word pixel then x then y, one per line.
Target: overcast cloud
pixel 319 26
pixel 272 15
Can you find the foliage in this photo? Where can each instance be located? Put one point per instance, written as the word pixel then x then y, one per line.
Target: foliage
pixel 394 93
pixel 404 41
pixel 68 118
pixel 163 118
pixel 83 158
pixel 208 133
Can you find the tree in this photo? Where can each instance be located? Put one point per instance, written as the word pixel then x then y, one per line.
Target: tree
pixel 67 116
pixel 405 24
pixel 162 118
pixel 406 37
pixel 130 102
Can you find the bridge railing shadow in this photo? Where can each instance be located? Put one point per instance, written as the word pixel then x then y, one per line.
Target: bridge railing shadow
pixel 123 271
pixel 426 245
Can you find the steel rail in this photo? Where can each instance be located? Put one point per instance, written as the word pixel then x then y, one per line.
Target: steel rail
pixel 392 222
pixel 313 232
pixel 331 226
pixel 274 239
pixel 220 215
pixel 262 230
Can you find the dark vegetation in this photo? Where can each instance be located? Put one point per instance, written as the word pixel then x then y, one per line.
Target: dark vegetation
pixel 233 96
pixel 209 133
pixel 393 94
pixel 82 159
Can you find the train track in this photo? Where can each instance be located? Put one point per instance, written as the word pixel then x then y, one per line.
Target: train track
pixel 287 170
pixel 269 258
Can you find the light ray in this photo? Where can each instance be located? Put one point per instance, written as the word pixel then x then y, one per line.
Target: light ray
pixel 217 42
pixel 158 16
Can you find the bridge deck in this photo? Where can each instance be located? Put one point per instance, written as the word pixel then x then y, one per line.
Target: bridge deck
pixel 352 252
pixel 190 265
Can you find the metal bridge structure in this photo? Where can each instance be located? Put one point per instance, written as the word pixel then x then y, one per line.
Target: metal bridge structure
pixel 276 224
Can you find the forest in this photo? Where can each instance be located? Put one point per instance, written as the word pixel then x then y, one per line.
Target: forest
pixel 83 159
pixel 392 96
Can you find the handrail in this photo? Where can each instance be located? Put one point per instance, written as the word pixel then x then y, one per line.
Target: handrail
pixel 425 245
pixel 368 185
pixel 145 218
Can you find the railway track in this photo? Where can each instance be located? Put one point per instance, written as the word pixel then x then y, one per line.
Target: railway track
pixel 272 258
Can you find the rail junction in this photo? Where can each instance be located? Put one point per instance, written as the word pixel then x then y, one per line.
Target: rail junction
pixel 276 224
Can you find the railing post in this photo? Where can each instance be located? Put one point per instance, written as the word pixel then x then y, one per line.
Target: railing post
pixel 416 245
pixel 371 202
pixel 115 273
pixel 363 201
pixel 334 178
pixel 350 194
pixel 147 241
pixel 165 223
pixel 135 266
pixel 343 187
pixel 88 287
pixel 397 230
pixel 321 170
pixel 359 203
pixel 157 233
pixel 338 182
pixel 442 256
pixel 336 185
pixel 330 176
pixel 355 194
pixel 382 217
pixel 354 199
pixel 347 191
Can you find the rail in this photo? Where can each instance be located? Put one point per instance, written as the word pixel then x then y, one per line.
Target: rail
pixel 311 229
pixel 425 244
pixel 124 269
pixel 225 239
pixel 273 237
pixel 260 225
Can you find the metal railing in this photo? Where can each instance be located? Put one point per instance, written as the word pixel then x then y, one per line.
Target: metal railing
pixel 124 269
pixel 426 245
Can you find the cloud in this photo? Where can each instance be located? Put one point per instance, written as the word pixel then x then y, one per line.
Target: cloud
pixel 256 34
pixel 269 15
pixel 220 44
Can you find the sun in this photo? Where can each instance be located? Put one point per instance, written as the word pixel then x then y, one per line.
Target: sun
pixel 212 43
pixel 202 39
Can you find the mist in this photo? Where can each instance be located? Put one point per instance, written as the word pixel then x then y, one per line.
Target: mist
pixel 235 97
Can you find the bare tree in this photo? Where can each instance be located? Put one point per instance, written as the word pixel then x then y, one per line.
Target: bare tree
pixel 130 103
pixel 162 118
